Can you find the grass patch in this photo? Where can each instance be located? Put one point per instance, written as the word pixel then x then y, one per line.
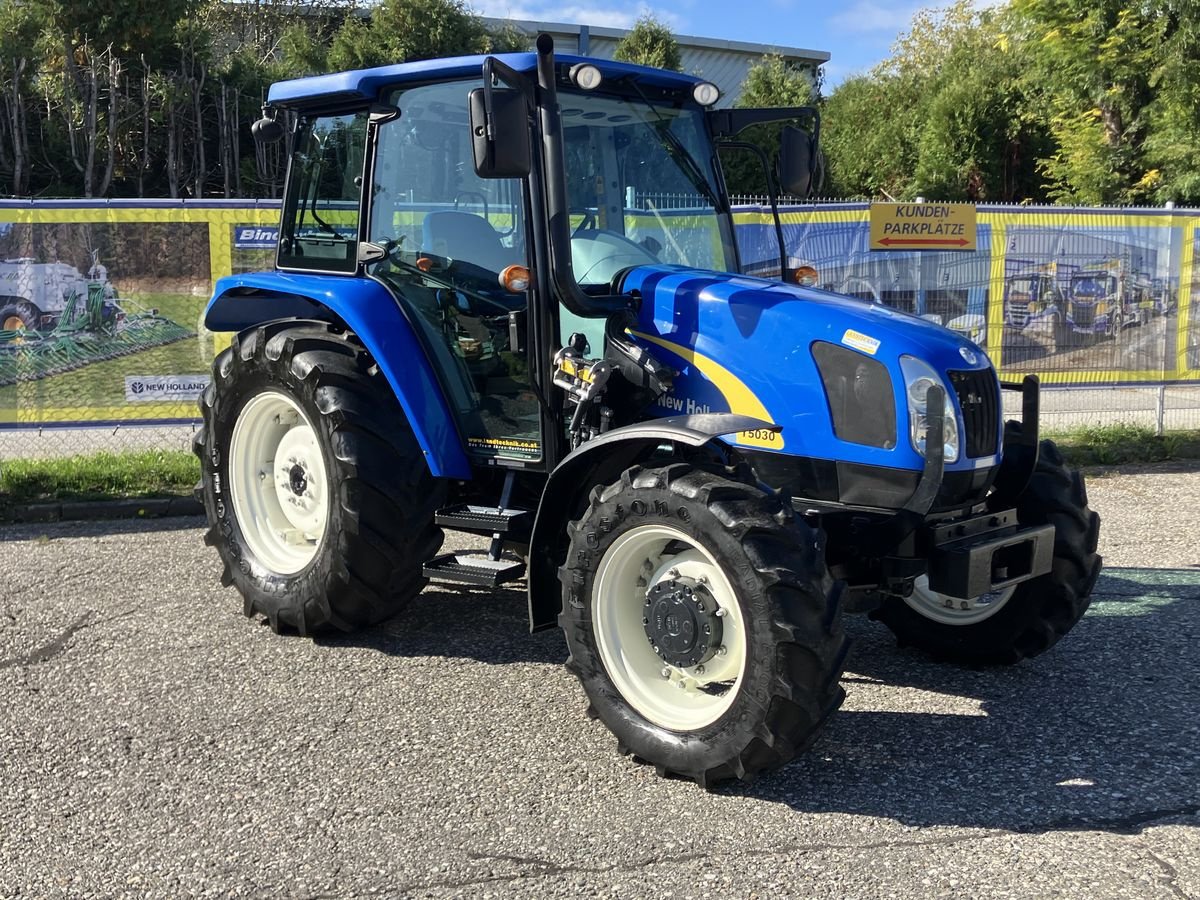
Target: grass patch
pixel 1108 445
pixel 142 474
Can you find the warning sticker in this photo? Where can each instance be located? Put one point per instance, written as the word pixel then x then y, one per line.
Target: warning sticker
pixel 860 341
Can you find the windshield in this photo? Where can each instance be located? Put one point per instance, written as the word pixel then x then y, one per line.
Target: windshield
pixel 642 187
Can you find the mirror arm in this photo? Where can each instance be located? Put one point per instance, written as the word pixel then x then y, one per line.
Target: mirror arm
pixel 772 195
pixel 729 123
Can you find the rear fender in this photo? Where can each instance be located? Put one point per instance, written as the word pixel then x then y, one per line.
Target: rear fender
pixel 366 308
pixel 599 462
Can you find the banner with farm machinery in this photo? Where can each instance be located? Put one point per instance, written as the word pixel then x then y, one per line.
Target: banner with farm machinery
pixel 1076 296
pixel 101 302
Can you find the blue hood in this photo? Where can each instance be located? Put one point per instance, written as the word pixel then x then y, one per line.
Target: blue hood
pixel 744 344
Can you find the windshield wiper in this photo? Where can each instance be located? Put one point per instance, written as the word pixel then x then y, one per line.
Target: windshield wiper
pixel 679 152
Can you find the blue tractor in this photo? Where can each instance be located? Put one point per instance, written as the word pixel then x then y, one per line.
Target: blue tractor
pixel 481 318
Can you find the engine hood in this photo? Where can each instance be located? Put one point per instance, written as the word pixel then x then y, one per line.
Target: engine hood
pixel 744 344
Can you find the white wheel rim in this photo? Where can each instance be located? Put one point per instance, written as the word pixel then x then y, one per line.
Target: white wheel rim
pixel 953 611
pixel 278 483
pixel 680 699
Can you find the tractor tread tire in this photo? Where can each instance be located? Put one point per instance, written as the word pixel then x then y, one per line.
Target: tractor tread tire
pixel 19 308
pixel 782 581
pixel 1042 610
pixel 381 526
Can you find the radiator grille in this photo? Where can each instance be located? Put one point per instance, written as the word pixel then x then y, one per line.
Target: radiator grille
pixel 978 394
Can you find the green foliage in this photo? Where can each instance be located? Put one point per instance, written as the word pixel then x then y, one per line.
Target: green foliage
pixel 650 43
pixel 1078 101
pixel 141 474
pixel 771 82
pixel 406 30
pixel 1107 445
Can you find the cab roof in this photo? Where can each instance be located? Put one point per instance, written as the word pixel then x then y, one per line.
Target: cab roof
pixel 365 85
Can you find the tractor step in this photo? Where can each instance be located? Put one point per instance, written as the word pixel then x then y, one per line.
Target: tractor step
pixel 473 570
pixel 485 519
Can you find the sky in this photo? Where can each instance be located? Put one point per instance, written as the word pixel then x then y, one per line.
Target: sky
pixel 857 33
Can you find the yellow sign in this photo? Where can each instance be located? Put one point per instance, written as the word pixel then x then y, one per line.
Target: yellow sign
pixel 922 226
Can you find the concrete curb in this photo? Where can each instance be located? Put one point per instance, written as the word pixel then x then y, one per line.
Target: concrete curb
pixel 103 509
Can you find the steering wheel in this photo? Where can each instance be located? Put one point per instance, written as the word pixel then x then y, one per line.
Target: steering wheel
pixel 589 219
pixel 599 255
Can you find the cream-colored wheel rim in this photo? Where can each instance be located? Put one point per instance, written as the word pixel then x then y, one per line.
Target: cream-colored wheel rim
pixel 278 482
pixel 677 698
pixel 953 611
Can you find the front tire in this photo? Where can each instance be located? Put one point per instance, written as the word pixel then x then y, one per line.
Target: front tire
pixel 318 498
pixel 1033 616
pixel 702 622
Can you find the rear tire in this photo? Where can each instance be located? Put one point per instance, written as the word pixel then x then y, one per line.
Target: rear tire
pixel 19 315
pixel 1038 612
pixel 759 580
pixel 318 497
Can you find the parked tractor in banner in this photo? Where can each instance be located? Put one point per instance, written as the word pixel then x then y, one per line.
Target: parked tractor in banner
pixel 474 323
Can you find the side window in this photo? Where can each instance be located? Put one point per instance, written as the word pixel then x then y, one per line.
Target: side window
pixel 321 213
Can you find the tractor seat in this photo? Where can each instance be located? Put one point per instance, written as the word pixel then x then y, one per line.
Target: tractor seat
pixel 466 237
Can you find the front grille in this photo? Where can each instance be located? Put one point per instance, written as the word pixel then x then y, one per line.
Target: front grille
pixel 978 392
pixel 1083 315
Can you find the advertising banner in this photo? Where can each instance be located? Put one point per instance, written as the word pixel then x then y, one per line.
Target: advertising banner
pixel 101 302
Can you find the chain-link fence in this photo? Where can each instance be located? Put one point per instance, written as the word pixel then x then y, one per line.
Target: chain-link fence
pixel 102 343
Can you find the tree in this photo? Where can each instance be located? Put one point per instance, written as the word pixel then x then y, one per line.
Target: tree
pixel 650 43
pixel 771 82
pixel 1091 74
pixel 406 30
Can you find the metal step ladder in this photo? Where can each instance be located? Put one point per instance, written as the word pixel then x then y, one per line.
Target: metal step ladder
pixel 502 523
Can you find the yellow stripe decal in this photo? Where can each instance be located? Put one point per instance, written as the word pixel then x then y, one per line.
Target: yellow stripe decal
pixel 741 399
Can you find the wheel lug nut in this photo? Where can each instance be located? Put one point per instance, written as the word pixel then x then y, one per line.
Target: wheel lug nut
pixel 703 579
pixel 722 650
pixel 666 673
pixel 720 613
pixel 700 670
pixel 673 572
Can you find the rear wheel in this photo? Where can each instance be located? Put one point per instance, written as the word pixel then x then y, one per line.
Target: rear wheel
pixel 702 623
pixel 319 500
pixel 1026 619
pixel 19 315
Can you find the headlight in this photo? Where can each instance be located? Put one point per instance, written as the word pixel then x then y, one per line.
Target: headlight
pixel 918 379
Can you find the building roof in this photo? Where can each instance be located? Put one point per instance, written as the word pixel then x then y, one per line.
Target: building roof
pixel 725 63
pixel 685 41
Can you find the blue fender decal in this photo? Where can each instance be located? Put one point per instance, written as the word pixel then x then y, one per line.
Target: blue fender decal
pixel 243 301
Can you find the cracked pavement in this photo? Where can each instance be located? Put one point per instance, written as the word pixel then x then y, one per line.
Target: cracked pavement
pixel 155 742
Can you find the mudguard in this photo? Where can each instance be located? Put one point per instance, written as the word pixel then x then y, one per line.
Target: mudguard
pixel 598 462
pixel 367 309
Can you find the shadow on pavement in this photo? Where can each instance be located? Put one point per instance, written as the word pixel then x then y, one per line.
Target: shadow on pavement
pixel 1100 733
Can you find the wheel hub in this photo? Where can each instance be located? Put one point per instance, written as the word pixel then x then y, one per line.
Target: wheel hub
pixel 682 623
pixel 297 480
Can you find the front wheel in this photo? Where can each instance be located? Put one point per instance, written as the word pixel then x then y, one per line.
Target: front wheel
pixel 1026 619
pixel 702 623
pixel 319 500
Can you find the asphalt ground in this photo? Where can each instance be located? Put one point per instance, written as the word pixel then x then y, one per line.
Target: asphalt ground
pixel 155 742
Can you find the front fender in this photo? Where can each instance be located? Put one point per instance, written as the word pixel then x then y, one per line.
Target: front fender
pixel 366 308
pixel 596 463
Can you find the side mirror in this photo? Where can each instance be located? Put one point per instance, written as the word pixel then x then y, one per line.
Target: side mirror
pixel 267 130
pixel 797 159
pixel 499 133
